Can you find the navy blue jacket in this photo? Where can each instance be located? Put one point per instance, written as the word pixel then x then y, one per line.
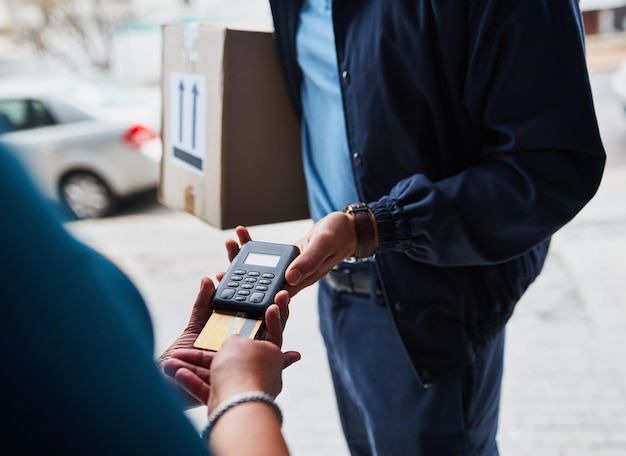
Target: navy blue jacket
pixel 473 138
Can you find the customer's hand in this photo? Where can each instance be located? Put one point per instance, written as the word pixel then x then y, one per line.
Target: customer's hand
pixel 200 314
pixel 191 368
pixel 243 365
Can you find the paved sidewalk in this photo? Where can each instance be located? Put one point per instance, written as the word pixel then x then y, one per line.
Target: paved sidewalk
pixel 565 377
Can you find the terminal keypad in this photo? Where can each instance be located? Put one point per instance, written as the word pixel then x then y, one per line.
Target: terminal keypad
pixel 246 285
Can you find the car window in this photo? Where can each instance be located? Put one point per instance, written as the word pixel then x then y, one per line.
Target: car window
pixel 23 114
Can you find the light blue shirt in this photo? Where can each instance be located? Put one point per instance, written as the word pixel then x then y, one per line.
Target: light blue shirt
pixel 326 156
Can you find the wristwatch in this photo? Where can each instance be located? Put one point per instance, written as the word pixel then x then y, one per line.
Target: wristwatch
pixel 366 232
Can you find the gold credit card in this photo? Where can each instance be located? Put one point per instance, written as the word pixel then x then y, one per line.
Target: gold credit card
pixel 222 324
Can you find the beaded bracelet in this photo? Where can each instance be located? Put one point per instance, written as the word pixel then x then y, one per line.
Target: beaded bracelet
pixel 251 396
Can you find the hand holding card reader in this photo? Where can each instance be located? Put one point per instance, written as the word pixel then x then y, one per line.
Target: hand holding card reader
pixel 254 277
pixel 247 289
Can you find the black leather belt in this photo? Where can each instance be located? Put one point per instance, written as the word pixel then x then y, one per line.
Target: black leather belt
pixel 359 278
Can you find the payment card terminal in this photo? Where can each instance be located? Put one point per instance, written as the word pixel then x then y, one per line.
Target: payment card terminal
pixel 254 277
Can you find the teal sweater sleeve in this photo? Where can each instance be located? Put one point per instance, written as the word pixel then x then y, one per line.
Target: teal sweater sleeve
pixel 77 344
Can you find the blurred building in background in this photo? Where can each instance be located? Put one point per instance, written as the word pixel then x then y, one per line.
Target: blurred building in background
pixel 603 16
pixel 121 38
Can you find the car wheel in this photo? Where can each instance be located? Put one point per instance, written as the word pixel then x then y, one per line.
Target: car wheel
pixel 86 195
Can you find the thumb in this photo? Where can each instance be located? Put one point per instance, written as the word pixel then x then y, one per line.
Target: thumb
pixel 202 306
pixel 290 357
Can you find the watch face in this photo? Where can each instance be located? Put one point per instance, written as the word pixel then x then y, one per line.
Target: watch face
pixel 355 207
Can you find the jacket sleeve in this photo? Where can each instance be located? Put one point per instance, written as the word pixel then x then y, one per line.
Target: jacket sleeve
pixel 529 99
pixel 78 343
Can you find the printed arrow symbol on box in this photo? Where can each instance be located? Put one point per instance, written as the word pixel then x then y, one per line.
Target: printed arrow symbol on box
pixel 195 99
pixel 181 90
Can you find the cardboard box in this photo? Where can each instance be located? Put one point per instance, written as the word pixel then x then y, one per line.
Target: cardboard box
pixel 231 142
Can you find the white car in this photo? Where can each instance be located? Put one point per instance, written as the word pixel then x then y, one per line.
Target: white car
pixel 87 143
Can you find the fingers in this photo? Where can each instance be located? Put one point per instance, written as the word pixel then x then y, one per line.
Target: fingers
pixel 276 317
pixel 232 249
pixel 330 241
pixel 244 365
pixel 282 301
pixel 198 363
pixel 273 326
pixel 317 257
pixel 191 369
pixel 290 357
pixel 193 385
pixel 315 254
pixel 173 365
pixel 243 234
pixel 200 358
pixel 308 271
pixel 232 246
pixel 200 314
pixel 202 307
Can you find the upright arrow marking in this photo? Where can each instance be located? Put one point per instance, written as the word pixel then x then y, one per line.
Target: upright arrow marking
pixel 193 131
pixel 181 90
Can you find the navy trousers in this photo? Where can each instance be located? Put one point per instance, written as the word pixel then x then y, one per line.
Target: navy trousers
pixel 384 410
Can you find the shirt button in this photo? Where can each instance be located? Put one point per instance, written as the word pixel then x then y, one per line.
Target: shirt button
pixel 345 77
pixel 356 158
pixel 400 306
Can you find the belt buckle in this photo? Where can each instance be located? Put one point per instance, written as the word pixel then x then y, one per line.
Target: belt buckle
pixel 340 278
pixel 352 280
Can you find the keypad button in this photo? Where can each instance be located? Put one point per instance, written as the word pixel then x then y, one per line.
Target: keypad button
pixel 268 275
pixel 232 284
pixel 247 286
pixel 256 297
pixel 239 272
pixel 265 282
pixel 249 279
pixel 261 288
pixel 228 293
pixel 254 273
